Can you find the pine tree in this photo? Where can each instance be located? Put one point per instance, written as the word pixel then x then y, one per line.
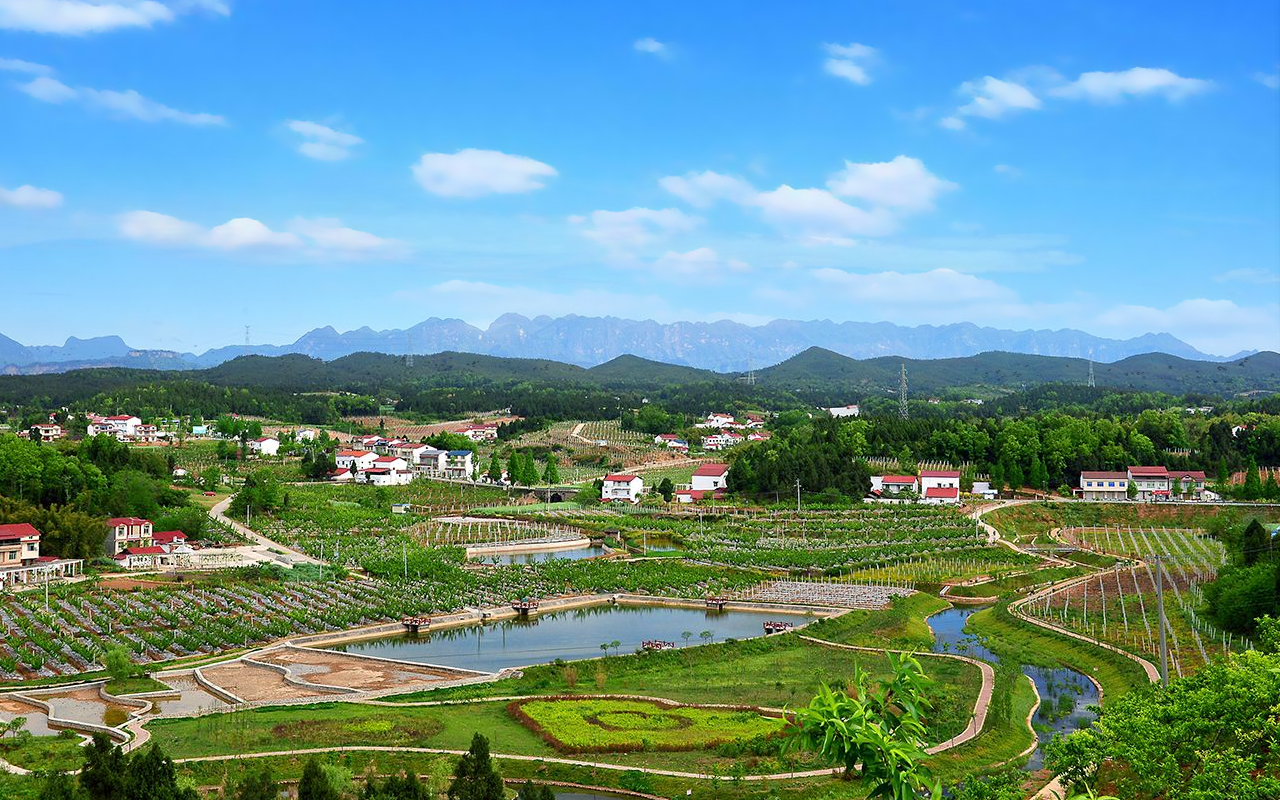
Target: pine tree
pixel 513 467
pixel 495 468
pixel 475 778
pixel 315 785
pixel 260 784
pixel 1252 489
pixel 105 770
pixel 551 475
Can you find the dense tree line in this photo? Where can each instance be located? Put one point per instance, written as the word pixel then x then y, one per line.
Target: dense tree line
pixel 823 456
pixel 1248 588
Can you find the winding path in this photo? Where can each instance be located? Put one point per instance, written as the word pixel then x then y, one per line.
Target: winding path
pixel 219 513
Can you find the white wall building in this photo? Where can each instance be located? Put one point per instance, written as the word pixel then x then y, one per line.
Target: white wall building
pixel 844 411
pixel 620 487
pixel 710 477
pixel 265 445
pixel 939 479
pixel 1104 485
pixel 355 460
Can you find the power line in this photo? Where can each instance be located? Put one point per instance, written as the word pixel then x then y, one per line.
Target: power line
pixel 902 393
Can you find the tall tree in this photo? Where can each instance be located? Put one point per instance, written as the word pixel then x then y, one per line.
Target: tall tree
pixel 315 784
pixel 258 784
pixel 475 777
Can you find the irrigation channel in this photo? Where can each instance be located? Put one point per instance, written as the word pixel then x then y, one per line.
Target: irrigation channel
pixel 569 634
pixel 1065 694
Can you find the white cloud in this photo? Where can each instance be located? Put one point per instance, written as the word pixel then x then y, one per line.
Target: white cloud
pixel 16 65
pixel 322 142
pixel 902 183
pixel 1249 275
pixel 817 216
pixel 30 197
pixel 849 62
pixel 703 263
pixel 1114 87
pixel 126 104
pixel 703 189
pixel 1213 326
pixel 50 90
pixel 990 98
pixel 817 212
pixel 474 173
pixel 316 237
pixel 81 17
pixel 635 226
pixel 653 46
pixel 1271 80
pixel 1005 169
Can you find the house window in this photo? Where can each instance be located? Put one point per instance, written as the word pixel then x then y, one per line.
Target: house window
pixel 1111 483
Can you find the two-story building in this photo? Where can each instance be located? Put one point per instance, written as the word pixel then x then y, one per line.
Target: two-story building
pixel 941 496
pixel 487 432
pixel 457 464
pixel 710 478
pixel 19 545
pixel 1151 483
pixel 1186 483
pixel 622 488
pixel 354 460
pixel 265 445
pixel 1104 485
pixel 895 484
pixel 47 431
pixel 939 479
pixel 124 533
pixel 431 461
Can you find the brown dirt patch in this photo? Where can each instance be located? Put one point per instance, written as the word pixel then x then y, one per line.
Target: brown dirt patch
pixel 250 682
pixel 362 674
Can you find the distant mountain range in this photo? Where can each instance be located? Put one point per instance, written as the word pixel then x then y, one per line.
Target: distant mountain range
pixel 589 341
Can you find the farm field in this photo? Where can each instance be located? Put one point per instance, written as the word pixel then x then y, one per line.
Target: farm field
pixel 1027 522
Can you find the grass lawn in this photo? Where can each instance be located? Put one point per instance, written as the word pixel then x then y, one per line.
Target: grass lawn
pixel 1015 582
pixel 1000 740
pixel 1021 642
pixel 44 753
pixel 135 685
pixel 901 627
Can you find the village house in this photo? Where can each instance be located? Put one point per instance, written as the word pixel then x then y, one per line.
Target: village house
pixel 265 445
pixel 942 496
pixel 895 484
pixel 697 495
pixel 939 479
pixel 721 440
pixel 354 460
pixel 341 475
pixel 844 411
pixel 431 461
pixel 125 425
pixel 1187 483
pixel 1104 485
pixel 305 435
pixel 458 464
pixel 47 432
pixel 390 462
pixel 385 476
pixel 710 478
pixel 146 433
pixel 410 451
pixel 754 421
pixel 1152 483
pixel 672 442
pixel 21 562
pixel 619 487
pixel 125 533
pixel 366 442
pixel 759 436
pixel 487 432
pixel 718 421
pixel 385 447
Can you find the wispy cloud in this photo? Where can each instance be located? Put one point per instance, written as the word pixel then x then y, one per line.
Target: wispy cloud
pixel 16 65
pixel 475 173
pixel 314 237
pixel 1249 275
pixel 622 230
pixel 1115 87
pixel 653 47
pixel 30 197
pixel 1271 80
pixel 80 18
pixel 849 61
pixel 128 104
pixel 322 142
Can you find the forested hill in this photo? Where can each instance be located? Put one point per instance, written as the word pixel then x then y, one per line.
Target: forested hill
pixel 821 371
pixel 816 376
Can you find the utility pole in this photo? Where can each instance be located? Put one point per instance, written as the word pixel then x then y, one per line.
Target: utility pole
pixel 404 553
pixel 902 392
pixel 1092 384
pixel 1164 647
pixel 797 495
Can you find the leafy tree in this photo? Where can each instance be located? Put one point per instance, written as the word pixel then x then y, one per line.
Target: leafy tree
pixel 1209 734
pixel 105 770
pixel 151 776
pixel 1255 543
pixel 258 784
pixel 119 666
pixel 666 488
pixel 1005 784
pixel 60 786
pixel 551 474
pixel 475 777
pixel 880 726
pixel 397 787
pixel 449 441
pixel 530 792
pixel 495 468
pixel 315 784
pixel 1252 488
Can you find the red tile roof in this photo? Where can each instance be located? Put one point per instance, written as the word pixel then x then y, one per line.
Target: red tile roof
pixel 1150 472
pixel 1104 476
pixel 122 417
pixel 940 473
pixel 353 453
pixel 169 537
pixel 153 550
pixel 620 478
pixel 711 470
pixel 945 492
pixel 115 522
pixel 18 530
pixel 895 479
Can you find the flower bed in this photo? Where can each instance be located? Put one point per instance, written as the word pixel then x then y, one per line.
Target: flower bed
pixel 602 725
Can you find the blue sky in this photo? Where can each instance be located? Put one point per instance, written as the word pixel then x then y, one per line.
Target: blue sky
pixel 174 171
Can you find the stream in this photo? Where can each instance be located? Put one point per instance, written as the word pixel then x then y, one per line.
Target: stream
pixel 1065 694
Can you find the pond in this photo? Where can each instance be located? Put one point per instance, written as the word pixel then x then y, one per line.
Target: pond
pixel 570 634
pixel 192 698
pixel 1065 694
pixel 534 557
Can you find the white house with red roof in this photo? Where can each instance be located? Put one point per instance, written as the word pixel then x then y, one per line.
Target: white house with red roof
pixel 1187 483
pixel 48 432
pixel 942 496
pixel 1102 485
pixel 759 436
pixel 487 432
pixel 390 462
pixel 265 445
pixel 621 487
pixel 366 442
pixel 939 479
pixel 124 424
pixel 697 495
pixel 169 538
pixel 710 477
pixel 385 476
pixel 20 559
pixel 715 420
pixel 354 460
pixel 721 440
pixel 124 533
pixel 895 484
pixel 1152 483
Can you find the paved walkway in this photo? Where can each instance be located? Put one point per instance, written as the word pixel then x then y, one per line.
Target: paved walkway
pixel 219 513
